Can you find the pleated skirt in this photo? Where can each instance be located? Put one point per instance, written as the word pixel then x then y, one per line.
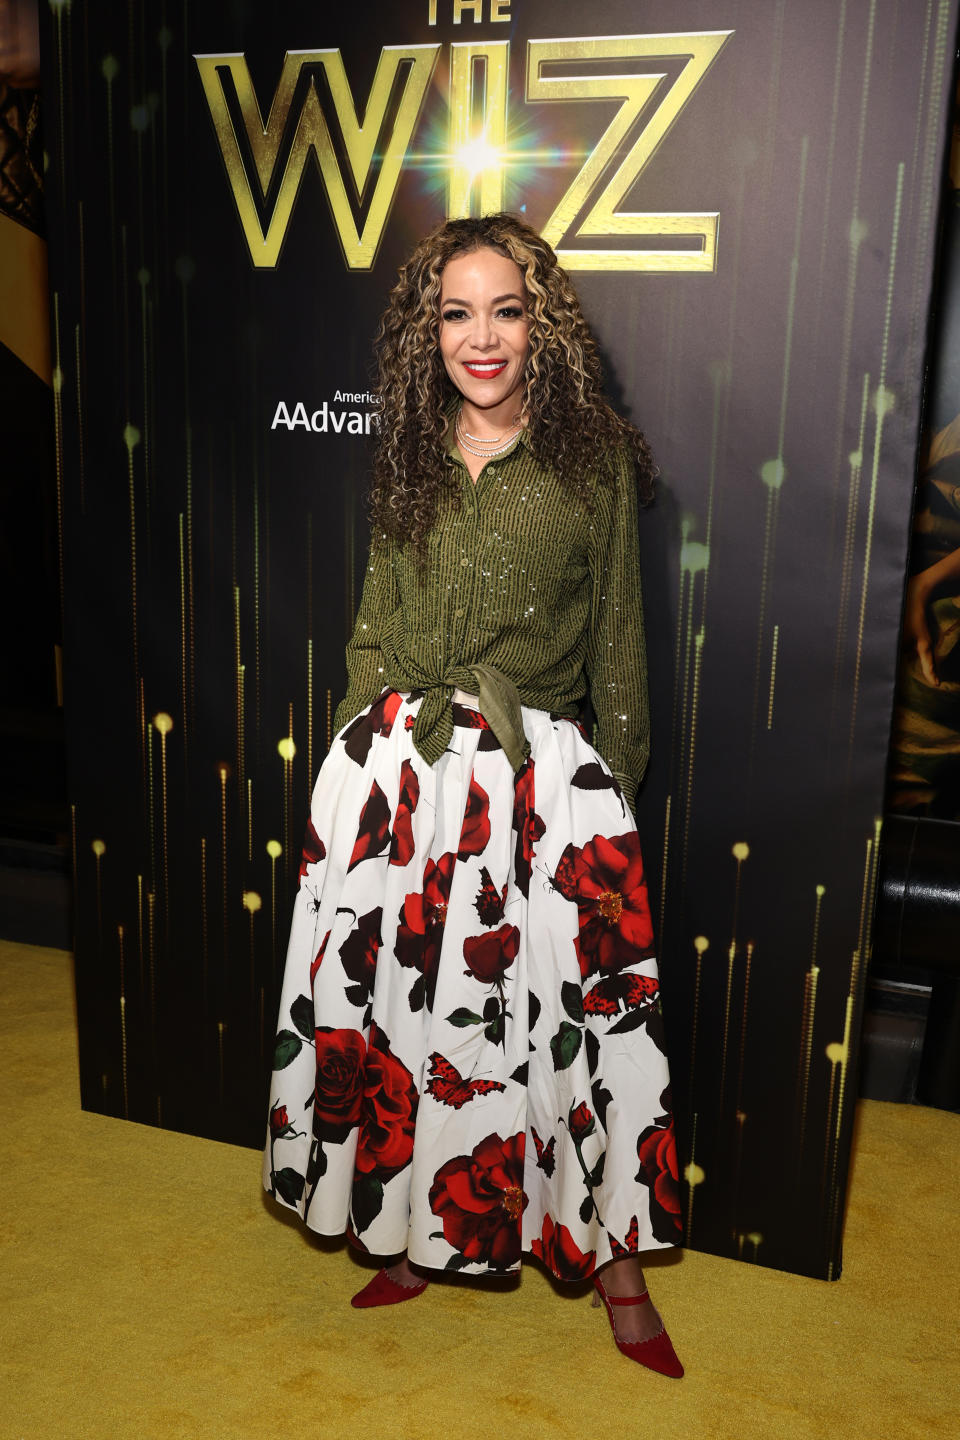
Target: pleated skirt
pixel 470 1059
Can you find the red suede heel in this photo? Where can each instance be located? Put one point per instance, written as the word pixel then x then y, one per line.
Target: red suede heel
pixel 384 1291
pixel 657 1353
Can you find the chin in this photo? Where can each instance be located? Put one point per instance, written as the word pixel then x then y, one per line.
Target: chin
pixel 485 397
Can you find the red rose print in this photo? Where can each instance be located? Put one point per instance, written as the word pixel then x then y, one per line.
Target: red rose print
pixel 527 823
pixel 468 718
pixel 281 1129
pixel 480 1200
pixel 358 954
pixel 475 831
pixel 338 1097
pixel 490 956
pixel 605 880
pixel 401 843
pixel 559 1251
pixel 390 1102
pixel 657 1153
pixel 420 926
pixel 313 850
pixel 581 1122
pixel 373 830
pixel 318 959
pixel 387 705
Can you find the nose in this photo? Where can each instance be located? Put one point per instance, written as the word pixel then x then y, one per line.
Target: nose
pixel 483 335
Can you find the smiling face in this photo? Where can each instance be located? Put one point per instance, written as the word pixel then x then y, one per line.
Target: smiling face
pixel 484 334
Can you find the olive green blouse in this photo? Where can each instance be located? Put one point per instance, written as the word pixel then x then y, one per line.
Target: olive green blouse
pixel 526 597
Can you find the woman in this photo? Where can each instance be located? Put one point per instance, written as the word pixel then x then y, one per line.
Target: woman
pixel 471 1001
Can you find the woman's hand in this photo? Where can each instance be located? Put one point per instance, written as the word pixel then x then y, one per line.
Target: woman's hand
pixel 920 590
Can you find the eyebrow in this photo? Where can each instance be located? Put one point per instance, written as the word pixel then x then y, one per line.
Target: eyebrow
pixel 454 300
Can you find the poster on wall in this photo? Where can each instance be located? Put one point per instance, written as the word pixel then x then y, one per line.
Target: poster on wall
pixel 924 777
pixel 746 197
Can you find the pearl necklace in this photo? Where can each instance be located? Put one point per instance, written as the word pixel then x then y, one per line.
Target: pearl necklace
pixel 488 448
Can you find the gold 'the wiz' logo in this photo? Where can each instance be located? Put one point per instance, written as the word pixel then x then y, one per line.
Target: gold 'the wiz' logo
pixel 405 71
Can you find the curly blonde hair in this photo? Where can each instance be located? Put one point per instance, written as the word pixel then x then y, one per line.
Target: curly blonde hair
pixel 570 425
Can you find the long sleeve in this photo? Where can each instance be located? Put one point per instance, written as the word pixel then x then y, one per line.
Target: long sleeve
pixel 616 659
pixel 378 602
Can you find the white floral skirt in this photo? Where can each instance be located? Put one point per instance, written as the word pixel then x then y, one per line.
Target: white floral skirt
pixel 470 1059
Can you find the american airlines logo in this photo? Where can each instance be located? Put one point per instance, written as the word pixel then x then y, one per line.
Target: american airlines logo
pixel 329 419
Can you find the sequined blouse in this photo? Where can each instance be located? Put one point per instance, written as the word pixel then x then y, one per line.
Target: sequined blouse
pixel 526 584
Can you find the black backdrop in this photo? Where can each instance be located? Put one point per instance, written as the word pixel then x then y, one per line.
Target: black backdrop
pixel 763 319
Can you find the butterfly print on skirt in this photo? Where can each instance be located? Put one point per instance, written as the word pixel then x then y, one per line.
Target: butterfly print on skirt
pixel 447 1085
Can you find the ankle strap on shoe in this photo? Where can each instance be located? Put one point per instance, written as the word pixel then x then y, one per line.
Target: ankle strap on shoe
pixel 625 1299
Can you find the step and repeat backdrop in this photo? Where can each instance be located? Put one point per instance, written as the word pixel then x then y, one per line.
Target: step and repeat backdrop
pixel 747 195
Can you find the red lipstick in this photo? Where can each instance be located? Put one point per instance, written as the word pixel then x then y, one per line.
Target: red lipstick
pixel 485 370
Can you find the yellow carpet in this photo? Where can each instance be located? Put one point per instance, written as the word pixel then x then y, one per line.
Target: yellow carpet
pixel 147 1290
